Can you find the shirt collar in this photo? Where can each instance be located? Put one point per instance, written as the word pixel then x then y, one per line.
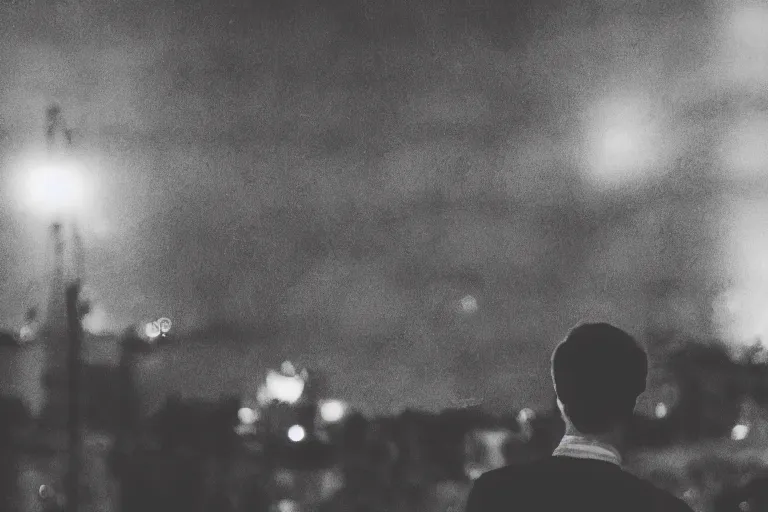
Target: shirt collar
pixel 579 447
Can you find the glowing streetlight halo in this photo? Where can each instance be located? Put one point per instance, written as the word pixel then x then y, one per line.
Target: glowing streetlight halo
pixel 53 188
pixel 623 144
pixel 468 304
pixel 286 389
pixel 247 415
pixel 740 432
pixel 297 433
pixel 332 411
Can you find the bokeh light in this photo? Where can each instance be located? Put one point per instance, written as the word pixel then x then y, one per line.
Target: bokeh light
pixel 247 416
pixel 740 310
pixel 332 411
pixel 287 506
pixel 623 143
pixel 740 432
pixel 469 304
pixel 51 189
pixel 152 330
pixel 96 321
pixel 165 325
pixel 296 433
pixel 284 388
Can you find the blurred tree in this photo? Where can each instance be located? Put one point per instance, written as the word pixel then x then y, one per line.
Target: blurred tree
pixel 13 415
pixel 652 432
pixel 446 446
pixel 750 497
pixel 711 385
pixel 101 400
pixel 548 429
pixel 354 433
pixel 198 444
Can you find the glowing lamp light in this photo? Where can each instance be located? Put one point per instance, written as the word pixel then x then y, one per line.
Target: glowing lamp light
pixel 95 322
pixel 661 410
pixel 619 147
pixel 623 143
pixel 740 432
pixel 247 416
pixel 284 388
pixel 332 411
pixel 468 304
pixel 54 189
pixel 287 506
pixel 165 325
pixel 618 155
pixel 525 415
pixel 296 433
pixel 152 330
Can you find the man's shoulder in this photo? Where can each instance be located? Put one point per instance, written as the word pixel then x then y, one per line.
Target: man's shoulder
pixel 532 475
pixel 514 473
pixel 663 499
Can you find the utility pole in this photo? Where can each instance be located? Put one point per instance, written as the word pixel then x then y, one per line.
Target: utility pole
pixel 70 286
pixel 73 469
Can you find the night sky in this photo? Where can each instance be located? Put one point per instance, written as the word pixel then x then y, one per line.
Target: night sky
pixel 333 178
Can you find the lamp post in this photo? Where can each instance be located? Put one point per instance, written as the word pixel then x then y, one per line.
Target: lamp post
pixel 55 189
pixel 74 444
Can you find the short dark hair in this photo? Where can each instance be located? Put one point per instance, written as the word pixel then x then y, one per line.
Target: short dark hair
pixel 598 372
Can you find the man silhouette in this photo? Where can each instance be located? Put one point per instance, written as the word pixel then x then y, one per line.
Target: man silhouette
pixel 598 372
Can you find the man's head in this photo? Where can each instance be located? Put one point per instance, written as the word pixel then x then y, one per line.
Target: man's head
pixel 598 372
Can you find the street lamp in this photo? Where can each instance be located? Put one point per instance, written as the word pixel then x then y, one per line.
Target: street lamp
pixel 55 188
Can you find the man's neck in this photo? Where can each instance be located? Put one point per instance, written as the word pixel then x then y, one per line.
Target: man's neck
pixel 614 437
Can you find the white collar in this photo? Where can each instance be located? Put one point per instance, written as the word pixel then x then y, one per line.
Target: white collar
pixel 580 447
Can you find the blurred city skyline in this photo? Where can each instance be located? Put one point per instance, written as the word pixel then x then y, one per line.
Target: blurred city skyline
pixel 342 178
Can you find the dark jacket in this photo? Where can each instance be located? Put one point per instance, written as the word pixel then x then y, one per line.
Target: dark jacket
pixel 556 484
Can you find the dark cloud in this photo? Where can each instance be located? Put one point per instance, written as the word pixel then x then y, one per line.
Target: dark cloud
pixel 350 168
